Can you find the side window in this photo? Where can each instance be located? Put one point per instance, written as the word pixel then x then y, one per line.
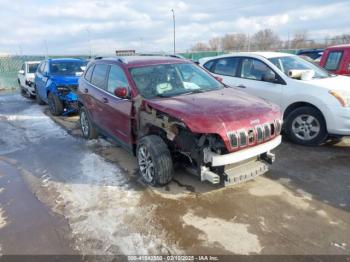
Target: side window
pixel 333 60
pixel 226 66
pixel 88 73
pixel 254 69
pixel 99 75
pixel 116 78
pixel 208 65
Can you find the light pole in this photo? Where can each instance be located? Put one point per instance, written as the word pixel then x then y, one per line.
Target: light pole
pixel 172 10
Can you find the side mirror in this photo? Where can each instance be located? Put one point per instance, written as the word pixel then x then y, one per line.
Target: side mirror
pixel 269 77
pixel 21 72
pixel 121 92
pixel 219 78
pixel 45 74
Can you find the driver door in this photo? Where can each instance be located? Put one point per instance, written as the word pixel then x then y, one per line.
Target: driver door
pixel 257 78
pixel 117 111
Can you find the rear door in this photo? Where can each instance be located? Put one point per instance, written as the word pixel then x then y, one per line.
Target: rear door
pixel 225 68
pixel 117 111
pixel 97 91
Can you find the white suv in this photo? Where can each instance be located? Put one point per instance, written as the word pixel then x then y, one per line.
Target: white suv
pixel 26 77
pixel 316 104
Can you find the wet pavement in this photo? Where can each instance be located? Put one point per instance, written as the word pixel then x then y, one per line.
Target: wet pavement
pixel 86 197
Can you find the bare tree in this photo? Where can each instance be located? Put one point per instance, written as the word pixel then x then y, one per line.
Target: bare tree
pixel 234 41
pixel 215 43
pixel 340 39
pixel 265 40
pixel 200 47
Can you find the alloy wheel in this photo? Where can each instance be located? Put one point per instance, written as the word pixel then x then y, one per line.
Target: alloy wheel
pixel 146 164
pixel 84 123
pixel 306 127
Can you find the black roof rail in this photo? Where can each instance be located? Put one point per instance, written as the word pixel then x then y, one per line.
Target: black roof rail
pixel 98 57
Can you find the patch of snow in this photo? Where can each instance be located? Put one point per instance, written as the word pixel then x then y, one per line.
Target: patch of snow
pixel 99 142
pixel 104 213
pixel 234 237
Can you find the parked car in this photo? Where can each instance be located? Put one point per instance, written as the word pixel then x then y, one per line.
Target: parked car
pixel 56 82
pixel 165 109
pixel 26 78
pixel 314 53
pixel 336 59
pixel 316 104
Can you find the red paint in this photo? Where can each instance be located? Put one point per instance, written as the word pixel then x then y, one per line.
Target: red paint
pixel 213 112
pixel 344 65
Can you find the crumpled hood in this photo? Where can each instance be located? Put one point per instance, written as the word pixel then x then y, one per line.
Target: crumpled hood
pixel 218 111
pixel 65 80
pixel 339 83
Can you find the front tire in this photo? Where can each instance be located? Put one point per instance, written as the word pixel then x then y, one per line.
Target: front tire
pixel 55 104
pixel 306 126
pixel 87 127
pixel 154 160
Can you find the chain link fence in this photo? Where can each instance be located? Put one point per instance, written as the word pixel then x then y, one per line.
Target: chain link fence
pixel 9 66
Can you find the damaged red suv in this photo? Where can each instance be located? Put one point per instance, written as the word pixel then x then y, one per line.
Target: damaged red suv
pixel 165 109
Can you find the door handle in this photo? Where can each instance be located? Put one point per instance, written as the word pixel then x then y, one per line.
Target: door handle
pixel 241 86
pixel 105 100
pixel 86 90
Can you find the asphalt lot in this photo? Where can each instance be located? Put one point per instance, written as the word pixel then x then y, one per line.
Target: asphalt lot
pixel 86 197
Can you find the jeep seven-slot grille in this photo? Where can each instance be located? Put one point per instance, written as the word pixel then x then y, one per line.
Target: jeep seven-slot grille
pixel 260 133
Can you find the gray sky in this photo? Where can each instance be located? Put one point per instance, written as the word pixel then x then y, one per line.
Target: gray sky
pixel 73 26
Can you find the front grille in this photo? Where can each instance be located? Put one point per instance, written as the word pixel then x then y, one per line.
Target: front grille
pixel 259 134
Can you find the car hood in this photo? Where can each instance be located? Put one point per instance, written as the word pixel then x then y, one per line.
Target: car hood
pixel 339 83
pixel 65 80
pixel 218 111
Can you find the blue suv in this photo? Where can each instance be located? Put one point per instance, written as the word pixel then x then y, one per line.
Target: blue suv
pixel 56 81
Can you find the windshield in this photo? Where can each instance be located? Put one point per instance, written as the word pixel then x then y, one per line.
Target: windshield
pixel 67 67
pixel 172 79
pixel 32 68
pixel 286 63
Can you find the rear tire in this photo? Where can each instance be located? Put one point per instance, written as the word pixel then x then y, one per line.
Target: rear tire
pixel 155 162
pixel 55 105
pixel 38 98
pixel 306 126
pixel 87 127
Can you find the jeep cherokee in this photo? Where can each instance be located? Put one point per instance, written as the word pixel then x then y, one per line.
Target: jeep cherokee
pixel 166 109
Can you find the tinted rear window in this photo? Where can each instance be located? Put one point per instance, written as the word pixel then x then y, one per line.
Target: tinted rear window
pixel 226 66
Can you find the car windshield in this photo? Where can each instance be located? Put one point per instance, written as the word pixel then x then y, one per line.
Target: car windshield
pixel 168 80
pixel 67 67
pixel 286 63
pixel 32 68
